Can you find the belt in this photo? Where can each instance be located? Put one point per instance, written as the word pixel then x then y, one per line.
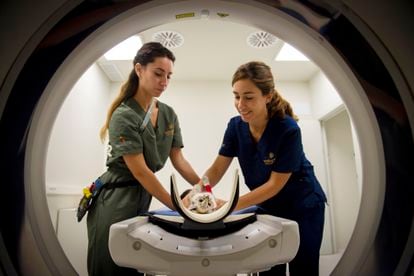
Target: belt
pixel 123 184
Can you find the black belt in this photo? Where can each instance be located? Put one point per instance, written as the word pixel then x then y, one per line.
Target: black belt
pixel 121 184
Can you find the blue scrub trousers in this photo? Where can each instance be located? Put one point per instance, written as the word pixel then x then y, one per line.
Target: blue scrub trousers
pixel 306 261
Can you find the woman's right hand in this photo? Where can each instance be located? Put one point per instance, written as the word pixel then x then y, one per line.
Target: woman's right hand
pixel 219 203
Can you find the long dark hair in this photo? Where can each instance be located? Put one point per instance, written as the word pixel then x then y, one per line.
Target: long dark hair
pixel 261 75
pixel 146 54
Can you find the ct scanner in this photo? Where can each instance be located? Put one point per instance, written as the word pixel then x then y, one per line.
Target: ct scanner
pixel 366 53
pixel 223 242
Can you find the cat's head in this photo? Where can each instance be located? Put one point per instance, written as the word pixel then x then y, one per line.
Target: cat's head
pixel 202 203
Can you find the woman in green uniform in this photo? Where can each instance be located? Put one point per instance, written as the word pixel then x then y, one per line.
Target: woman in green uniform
pixel 143 132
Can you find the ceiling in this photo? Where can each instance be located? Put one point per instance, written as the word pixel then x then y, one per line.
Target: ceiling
pixel 212 50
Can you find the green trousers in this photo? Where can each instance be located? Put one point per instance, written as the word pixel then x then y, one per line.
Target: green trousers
pixel 111 206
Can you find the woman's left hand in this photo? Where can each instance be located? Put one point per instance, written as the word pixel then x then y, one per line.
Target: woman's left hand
pixel 187 200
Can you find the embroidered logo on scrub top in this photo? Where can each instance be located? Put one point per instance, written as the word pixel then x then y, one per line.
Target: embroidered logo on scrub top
pixel 170 130
pixel 270 160
pixel 123 142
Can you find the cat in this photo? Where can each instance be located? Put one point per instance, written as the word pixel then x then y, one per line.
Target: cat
pixel 202 203
pixel 201 197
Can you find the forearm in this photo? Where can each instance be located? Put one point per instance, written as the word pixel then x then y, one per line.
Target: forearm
pixel 150 182
pixel 183 166
pixel 255 197
pixel 264 192
pixel 187 172
pixel 214 175
pixel 216 171
pixel 138 167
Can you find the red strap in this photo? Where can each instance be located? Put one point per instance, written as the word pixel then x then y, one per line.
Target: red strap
pixel 208 188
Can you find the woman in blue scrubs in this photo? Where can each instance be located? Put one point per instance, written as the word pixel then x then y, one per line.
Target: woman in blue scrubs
pixel 267 142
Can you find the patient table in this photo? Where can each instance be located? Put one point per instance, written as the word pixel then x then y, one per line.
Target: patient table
pixel 220 243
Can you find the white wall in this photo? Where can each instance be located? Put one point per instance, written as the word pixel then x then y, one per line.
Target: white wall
pixel 324 98
pixel 75 155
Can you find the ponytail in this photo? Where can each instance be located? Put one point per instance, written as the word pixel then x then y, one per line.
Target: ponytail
pixel 127 91
pixel 279 107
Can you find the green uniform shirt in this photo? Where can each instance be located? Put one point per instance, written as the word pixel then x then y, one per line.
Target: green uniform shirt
pixel 114 205
pixel 125 136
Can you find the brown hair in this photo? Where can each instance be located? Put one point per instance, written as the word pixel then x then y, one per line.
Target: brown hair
pixel 261 75
pixel 146 54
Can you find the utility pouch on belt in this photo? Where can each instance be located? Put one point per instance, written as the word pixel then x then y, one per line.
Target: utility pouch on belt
pixel 89 196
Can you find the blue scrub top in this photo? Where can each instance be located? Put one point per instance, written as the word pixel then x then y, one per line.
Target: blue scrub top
pixel 280 150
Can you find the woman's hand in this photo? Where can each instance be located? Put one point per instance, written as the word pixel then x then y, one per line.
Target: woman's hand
pixel 219 203
pixel 187 200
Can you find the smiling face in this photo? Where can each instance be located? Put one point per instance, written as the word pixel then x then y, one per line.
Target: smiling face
pixel 249 101
pixel 155 76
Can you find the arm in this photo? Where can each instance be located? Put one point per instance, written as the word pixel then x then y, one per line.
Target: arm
pixel 217 169
pixel 136 164
pixel 265 191
pixel 183 167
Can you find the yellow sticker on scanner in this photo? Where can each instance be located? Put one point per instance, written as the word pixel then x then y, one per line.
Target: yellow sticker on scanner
pixel 184 15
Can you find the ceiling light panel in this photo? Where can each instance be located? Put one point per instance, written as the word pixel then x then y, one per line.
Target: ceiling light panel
pixel 126 50
pixel 290 53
